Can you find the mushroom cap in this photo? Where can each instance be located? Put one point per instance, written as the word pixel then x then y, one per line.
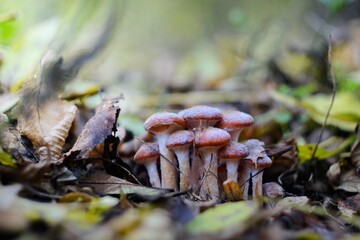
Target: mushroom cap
pixel 147 151
pixel 160 122
pixel 179 139
pixel 211 137
pixel 234 120
pixel 261 162
pixel 233 151
pixel 195 114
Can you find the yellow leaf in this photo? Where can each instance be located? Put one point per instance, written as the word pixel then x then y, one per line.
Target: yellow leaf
pixel 6 160
pixel 345 113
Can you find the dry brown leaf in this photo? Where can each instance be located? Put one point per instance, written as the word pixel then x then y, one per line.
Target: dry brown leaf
pixel 48 127
pixel 103 183
pixel 98 128
pixel 349 181
pixel 350 205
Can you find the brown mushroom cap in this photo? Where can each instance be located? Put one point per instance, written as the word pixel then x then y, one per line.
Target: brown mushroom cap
pixel 179 139
pixel 211 137
pixel 161 122
pixel 147 151
pixel 233 151
pixel 195 115
pixel 234 120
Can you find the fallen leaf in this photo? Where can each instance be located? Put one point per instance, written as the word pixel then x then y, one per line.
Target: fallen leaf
pixel 6 159
pixel 223 220
pixel 342 115
pixel 103 183
pixel 323 151
pixel 98 128
pixel 75 197
pixel 293 202
pixel 355 149
pixel 47 127
pixel 143 223
pixel 349 181
pixel 351 203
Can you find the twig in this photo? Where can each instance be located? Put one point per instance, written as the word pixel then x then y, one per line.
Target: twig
pixel 333 81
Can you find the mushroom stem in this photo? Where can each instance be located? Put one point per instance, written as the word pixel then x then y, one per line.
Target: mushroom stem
pixel 257 176
pixel 244 181
pixel 195 171
pixel 235 135
pixel 167 161
pixel 210 185
pixel 153 174
pixel 232 170
pixel 184 166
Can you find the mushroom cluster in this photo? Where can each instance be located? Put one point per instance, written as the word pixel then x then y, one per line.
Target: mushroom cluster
pixel 190 146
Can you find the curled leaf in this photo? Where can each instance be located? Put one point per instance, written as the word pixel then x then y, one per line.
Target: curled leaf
pixel 99 127
pixel 343 115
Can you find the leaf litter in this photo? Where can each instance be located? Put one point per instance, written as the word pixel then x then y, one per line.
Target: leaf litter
pixel 77 178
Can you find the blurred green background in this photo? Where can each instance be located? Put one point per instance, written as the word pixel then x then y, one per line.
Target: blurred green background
pixel 173 54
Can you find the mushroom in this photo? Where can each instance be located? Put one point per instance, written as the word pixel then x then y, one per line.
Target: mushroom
pixel 208 141
pixel 201 116
pixel 162 124
pixel 232 154
pixel 234 122
pixel 257 160
pixel 147 155
pixel 179 142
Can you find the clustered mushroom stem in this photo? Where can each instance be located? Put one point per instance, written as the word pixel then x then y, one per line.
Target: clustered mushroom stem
pixel 257 176
pixel 195 170
pixel 184 166
pixel 167 161
pixel 210 184
pixel 153 174
pixel 232 170
pixel 244 181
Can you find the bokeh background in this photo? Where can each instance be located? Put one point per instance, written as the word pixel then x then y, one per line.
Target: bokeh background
pixel 175 54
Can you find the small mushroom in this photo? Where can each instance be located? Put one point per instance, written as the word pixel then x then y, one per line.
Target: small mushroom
pixel 147 155
pixel 234 122
pixel 257 160
pixel 162 124
pixel 179 142
pixel 232 154
pixel 208 141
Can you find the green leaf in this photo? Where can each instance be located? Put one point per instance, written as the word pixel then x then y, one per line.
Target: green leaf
pixel 223 217
pixel 335 5
pixel 345 113
pixel 6 160
pixel 305 152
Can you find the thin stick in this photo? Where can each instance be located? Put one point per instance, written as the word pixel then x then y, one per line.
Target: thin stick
pixel 333 81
